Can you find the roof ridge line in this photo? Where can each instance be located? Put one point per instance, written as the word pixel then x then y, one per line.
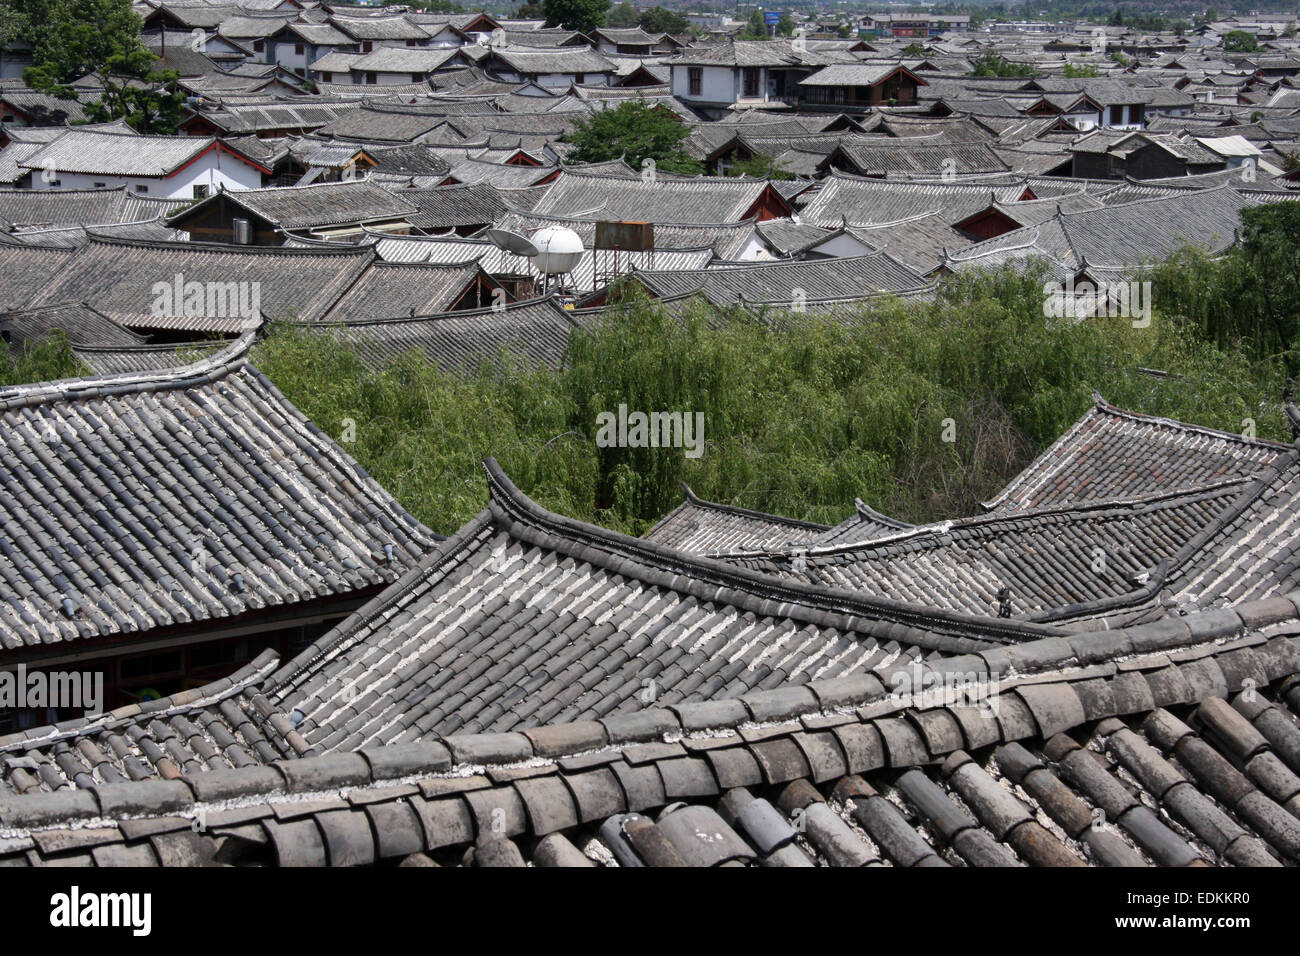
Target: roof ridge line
pixel 869 696
pixel 211 693
pixel 695 499
pixel 830 605
pixel 230 359
pixel 1086 506
pixel 1102 405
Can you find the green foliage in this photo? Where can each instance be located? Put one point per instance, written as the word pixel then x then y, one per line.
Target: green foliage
pixel 662 20
pixel 755 28
pixel 761 166
pixel 48 360
pixel 994 64
pixel 423 434
pixel 1080 72
pixel 72 39
pixel 1119 58
pixel 844 32
pixel 802 413
pixel 1239 41
pixel 914 49
pixel 580 15
pixel 622 15
pixel 428 6
pixel 1247 301
pixel 1117 18
pixel 785 26
pixel 635 131
pixel 530 11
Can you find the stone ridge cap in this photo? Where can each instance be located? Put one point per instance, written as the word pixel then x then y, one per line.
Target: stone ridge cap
pixel 1155 581
pixel 694 499
pixel 920 534
pixel 1101 405
pixel 203 372
pixel 186 700
pixel 861 699
pixel 826 606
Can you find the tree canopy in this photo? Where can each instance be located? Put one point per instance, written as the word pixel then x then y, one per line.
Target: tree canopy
pixel 994 64
pixel 1239 41
pixel 100 39
pixel 622 15
pixel 580 15
pixel 755 28
pixel 662 20
pixel 636 131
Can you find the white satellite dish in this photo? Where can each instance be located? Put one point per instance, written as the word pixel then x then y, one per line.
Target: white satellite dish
pixel 512 242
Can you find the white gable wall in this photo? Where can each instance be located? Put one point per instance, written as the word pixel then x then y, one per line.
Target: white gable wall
pixel 212 170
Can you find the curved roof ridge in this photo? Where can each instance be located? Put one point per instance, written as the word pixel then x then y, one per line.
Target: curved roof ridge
pixel 976 251
pixel 185 700
pixel 1181 194
pixel 1102 405
pixel 738 224
pixel 699 502
pixel 794 599
pixel 866 511
pixel 220 247
pixel 437 316
pixel 948 526
pixel 208 369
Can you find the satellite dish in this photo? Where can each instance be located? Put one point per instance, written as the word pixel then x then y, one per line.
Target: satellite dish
pixel 512 242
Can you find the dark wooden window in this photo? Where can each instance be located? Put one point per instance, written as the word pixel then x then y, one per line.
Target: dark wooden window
pixel 695 80
pixel 751 81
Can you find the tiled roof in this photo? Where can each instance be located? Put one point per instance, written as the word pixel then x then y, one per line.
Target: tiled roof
pixel 867 200
pixel 119 278
pixel 77 207
pixel 1061 757
pixel 531 62
pixel 1111 453
pixel 780 283
pixel 26 271
pixel 535 331
pixel 374 124
pixel 82 324
pixel 758 53
pixel 1250 553
pixel 866 524
pixel 665 199
pixel 904 156
pixel 402 288
pixel 149 500
pixel 95 152
pixel 119 360
pixel 728 239
pixel 1056 563
pixel 705 527
pixel 300 207
pixel 450 207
